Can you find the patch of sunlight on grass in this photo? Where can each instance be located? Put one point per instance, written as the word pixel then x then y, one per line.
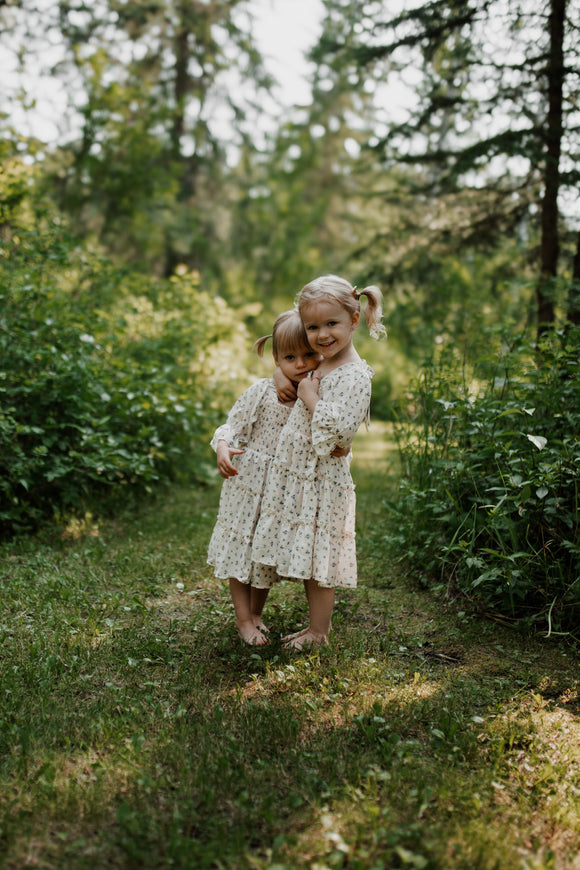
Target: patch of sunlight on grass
pixel 81 527
pixel 376 445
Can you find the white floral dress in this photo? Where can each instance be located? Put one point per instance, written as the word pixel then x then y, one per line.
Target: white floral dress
pixel 254 424
pixel 307 521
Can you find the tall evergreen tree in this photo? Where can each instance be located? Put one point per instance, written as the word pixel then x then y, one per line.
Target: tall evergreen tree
pixel 492 123
pixel 162 88
pixel 295 215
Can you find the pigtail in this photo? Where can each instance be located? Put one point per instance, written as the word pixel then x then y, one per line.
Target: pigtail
pixel 373 310
pixel 260 344
pixel 349 297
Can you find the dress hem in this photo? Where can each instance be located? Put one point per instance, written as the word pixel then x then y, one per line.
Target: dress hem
pixel 325 584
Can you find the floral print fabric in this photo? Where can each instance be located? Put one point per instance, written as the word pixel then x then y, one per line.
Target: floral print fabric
pixel 306 527
pixel 254 424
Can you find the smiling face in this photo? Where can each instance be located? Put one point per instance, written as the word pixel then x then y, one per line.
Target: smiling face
pixel 298 362
pixel 329 327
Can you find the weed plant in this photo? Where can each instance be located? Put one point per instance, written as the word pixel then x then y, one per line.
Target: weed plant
pixel 489 495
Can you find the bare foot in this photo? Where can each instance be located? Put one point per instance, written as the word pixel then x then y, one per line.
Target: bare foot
pixel 306 639
pixel 252 635
pixel 259 623
pixel 294 635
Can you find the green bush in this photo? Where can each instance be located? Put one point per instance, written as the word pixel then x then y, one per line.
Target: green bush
pixel 490 487
pixel 109 379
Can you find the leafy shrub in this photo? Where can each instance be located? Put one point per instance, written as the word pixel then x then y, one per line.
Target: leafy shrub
pixel 490 488
pixel 109 379
pixel 382 399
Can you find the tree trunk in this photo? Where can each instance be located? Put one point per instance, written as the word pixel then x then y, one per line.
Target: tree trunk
pixel 573 313
pixel 549 245
pixel 180 85
pixel 182 48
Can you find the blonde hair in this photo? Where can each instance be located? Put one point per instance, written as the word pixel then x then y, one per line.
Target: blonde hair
pixel 288 335
pixel 334 287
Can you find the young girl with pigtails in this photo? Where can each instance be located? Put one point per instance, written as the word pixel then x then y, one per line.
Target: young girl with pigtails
pixel 306 528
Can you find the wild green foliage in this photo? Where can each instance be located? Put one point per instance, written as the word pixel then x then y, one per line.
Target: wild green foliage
pixel 136 731
pixel 489 499
pixel 109 379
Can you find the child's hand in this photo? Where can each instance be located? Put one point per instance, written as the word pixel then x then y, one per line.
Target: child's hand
pixel 308 391
pixel 340 451
pixel 224 454
pixel 285 388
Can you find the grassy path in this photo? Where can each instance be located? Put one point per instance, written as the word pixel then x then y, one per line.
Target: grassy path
pixel 136 731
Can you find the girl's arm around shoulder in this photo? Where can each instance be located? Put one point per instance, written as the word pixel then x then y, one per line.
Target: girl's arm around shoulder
pixel 285 388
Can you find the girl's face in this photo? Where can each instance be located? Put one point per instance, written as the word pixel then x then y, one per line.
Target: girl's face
pixel 296 364
pixel 329 327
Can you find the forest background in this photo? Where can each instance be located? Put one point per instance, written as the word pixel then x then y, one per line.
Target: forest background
pixel 146 246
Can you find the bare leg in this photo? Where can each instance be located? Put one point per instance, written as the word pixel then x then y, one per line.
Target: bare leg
pixel 320 606
pixel 302 631
pixel 241 597
pixel 257 600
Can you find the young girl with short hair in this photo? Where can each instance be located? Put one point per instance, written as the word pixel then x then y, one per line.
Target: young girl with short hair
pixel 245 446
pixel 306 529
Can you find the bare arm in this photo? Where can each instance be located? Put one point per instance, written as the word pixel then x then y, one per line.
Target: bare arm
pixel 285 388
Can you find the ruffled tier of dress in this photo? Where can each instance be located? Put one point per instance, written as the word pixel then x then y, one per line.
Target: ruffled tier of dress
pixel 254 423
pixel 307 522
pixel 230 547
pixel 306 527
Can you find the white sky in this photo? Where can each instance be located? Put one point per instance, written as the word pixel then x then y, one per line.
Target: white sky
pixel 284 30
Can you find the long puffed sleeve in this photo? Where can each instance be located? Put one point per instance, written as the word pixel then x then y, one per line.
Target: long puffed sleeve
pixel 236 430
pixel 345 396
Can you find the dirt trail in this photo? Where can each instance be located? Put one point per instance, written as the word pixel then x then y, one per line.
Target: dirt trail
pixel 431 627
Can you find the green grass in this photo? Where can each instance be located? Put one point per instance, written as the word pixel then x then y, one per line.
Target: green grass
pixel 136 731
